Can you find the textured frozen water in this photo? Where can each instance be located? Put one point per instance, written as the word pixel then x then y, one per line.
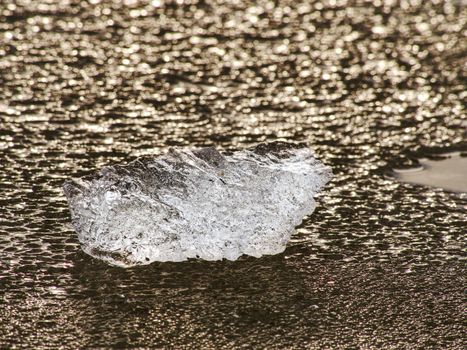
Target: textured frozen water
pixel 196 204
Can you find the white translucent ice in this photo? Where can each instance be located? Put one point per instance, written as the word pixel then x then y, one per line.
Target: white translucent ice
pixel 196 204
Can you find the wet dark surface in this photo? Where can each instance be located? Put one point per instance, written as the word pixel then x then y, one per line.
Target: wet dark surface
pixel 379 265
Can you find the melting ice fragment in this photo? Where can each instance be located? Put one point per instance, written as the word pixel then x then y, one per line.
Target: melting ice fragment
pixel 448 171
pixel 196 204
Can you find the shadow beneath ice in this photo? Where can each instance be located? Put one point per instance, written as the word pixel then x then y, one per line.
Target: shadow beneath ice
pixel 215 296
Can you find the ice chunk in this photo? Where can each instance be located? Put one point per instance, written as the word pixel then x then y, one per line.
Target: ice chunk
pixel 196 204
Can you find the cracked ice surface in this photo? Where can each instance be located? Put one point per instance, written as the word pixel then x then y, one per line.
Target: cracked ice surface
pixel 196 204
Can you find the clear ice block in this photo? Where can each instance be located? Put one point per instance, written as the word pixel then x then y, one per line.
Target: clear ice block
pixel 196 204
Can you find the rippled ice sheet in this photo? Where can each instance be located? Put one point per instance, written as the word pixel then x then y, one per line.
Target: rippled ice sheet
pixel 380 263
